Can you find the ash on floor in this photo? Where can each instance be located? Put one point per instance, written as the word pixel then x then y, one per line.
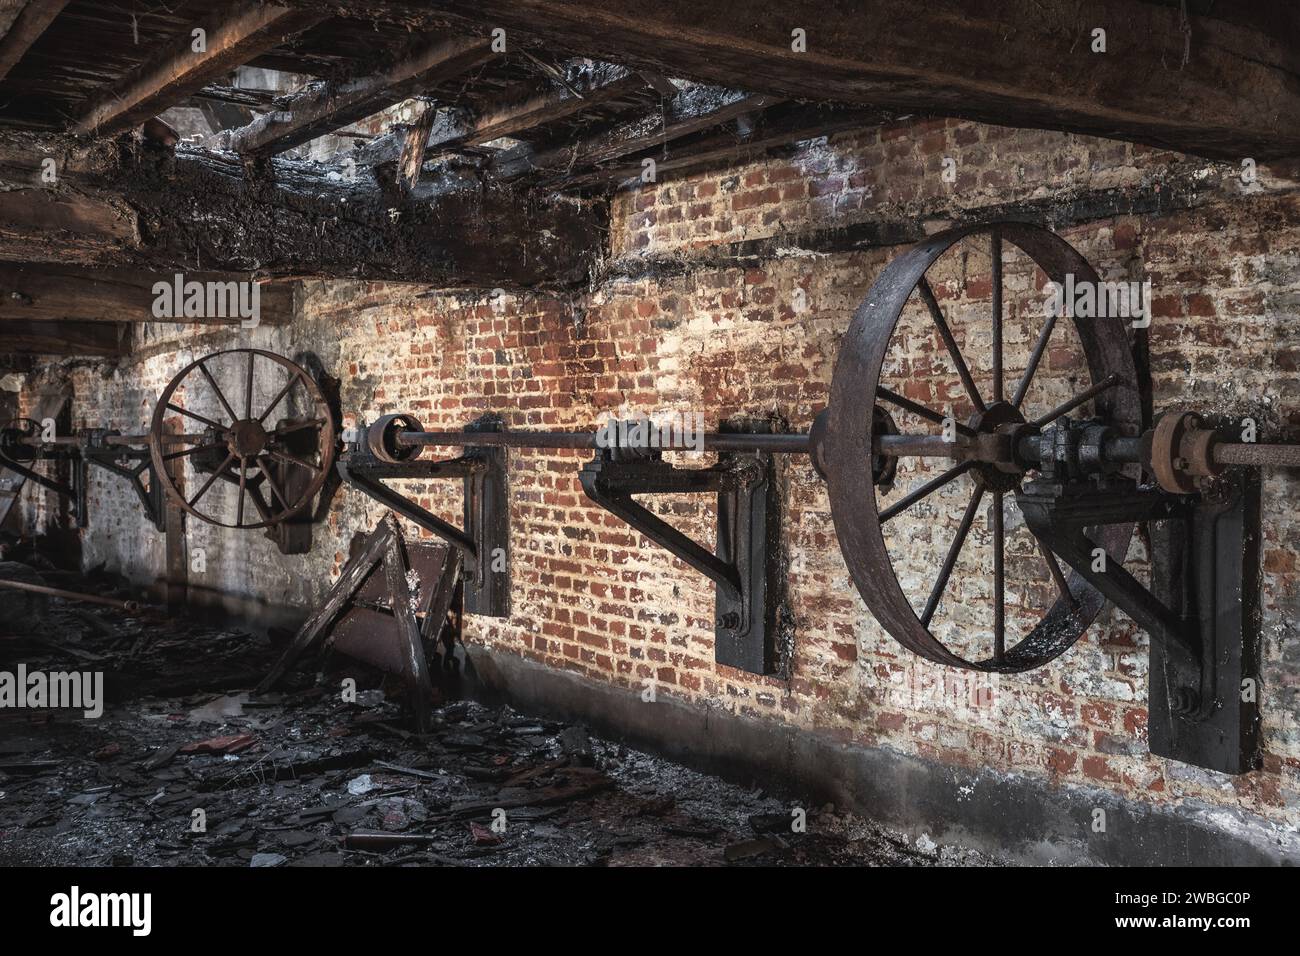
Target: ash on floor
pixel 185 768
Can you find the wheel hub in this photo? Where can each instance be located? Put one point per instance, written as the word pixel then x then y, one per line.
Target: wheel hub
pixel 247 439
pixel 995 429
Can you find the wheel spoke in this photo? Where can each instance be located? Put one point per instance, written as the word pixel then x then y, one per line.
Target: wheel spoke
pixel 170 456
pixel 281 431
pixel 270 480
pixel 996 249
pixel 197 417
pixel 221 396
pixel 954 551
pixel 288 459
pixel 999 580
pixel 293 380
pixel 1109 382
pixel 211 478
pixel 243 487
pixel 259 503
pixel 1054 569
pixel 945 333
pixel 248 385
pixel 926 489
pixel 919 410
pixel 1022 387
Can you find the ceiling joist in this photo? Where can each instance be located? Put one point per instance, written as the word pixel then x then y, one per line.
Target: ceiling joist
pixel 246 31
pixel 24 29
pixel 1221 84
pixel 324 107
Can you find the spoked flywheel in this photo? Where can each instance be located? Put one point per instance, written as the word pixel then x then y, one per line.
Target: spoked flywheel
pixel 266 445
pixel 909 359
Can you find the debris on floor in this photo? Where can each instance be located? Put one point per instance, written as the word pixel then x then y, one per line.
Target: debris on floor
pixel 186 768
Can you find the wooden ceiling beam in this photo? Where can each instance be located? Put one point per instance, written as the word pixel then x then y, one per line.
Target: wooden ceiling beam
pixel 695 108
pixel 324 107
pixel 1223 83
pixel 731 146
pixel 246 31
pixel 27 26
pixel 99 339
pixel 523 110
pixel 55 292
pixel 155 211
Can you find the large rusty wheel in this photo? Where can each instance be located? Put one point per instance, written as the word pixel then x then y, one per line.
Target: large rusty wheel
pixel 850 436
pixel 242 457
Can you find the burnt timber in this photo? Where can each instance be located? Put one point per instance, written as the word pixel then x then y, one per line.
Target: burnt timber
pixel 196 210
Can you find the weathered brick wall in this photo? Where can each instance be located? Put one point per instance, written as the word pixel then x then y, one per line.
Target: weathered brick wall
pixel 735 338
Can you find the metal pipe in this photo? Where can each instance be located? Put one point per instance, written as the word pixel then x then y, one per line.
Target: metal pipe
pixel 709 441
pixel 131 606
pixel 76 440
pixel 1249 453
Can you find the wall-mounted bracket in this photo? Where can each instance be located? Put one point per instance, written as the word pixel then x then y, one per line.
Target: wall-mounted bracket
pixel 484 543
pixel 1200 611
pixel 133 465
pixel 748 586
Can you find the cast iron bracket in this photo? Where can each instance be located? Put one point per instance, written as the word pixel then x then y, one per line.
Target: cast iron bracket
pixel 485 541
pixel 130 464
pixel 747 603
pixel 1201 611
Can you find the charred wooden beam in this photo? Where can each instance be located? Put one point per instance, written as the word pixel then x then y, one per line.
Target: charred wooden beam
pixel 695 108
pixel 415 139
pixel 243 33
pixel 527 106
pixel 1221 83
pixel 258 100
pixel 25 28
pixel 101 339
pixel 194 210
pixel 587 86
pixel 44 292
pixel 324 107
pixel 733 144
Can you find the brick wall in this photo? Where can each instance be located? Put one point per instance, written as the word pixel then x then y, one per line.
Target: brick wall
pixel 735 338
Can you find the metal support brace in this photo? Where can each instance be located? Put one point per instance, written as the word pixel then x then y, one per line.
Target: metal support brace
pixel 748 594
pixel 485 541
pixel 1200 611
pixel 90 450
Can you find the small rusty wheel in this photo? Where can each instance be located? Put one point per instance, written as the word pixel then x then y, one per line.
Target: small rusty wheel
pixel 851 428
pixel 291 458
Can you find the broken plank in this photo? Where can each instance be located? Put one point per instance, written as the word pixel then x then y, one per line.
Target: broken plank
pixel 324 107
pixel 238 36
pixel 690 111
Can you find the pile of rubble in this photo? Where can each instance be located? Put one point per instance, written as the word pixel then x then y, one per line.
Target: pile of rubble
pixel 186 767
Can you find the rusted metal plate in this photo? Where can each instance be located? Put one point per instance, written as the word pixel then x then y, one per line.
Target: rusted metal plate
pixel 427 561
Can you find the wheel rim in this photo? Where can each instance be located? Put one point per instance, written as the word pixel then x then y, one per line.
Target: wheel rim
pixel 277 469
pixel 849 430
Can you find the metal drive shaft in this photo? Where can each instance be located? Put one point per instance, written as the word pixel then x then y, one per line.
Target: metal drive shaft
pixel 711 441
